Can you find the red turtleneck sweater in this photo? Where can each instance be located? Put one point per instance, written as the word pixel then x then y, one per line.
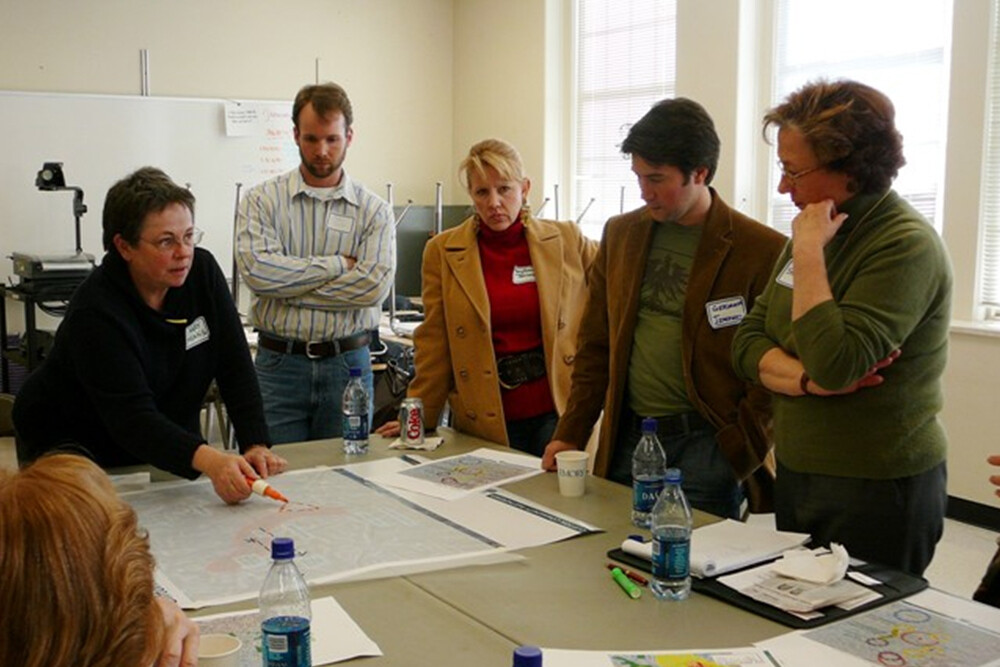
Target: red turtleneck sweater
pixel 515 315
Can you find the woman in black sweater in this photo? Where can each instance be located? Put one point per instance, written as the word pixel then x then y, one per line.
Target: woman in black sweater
pixel 142 340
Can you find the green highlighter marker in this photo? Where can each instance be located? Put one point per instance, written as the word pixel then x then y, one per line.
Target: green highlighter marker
pixel 630 588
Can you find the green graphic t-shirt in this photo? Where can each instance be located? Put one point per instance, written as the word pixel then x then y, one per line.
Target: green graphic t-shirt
pixel 655 372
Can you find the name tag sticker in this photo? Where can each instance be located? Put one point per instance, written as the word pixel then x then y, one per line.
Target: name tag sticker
pixel 785 277
pixel 727 312
pixel 523 274
pixel 339 223
pixel 196 333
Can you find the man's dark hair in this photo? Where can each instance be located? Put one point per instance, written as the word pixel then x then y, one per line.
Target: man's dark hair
pixel 850 127
pixel 676 132
pixel 326 98
pixel 131 199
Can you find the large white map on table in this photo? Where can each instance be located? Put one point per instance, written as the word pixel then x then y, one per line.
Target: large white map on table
pixel 340 523
pixel 343 525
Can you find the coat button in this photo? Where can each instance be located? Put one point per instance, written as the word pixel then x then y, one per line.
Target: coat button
pixel 562 324
pixel 464 374
pixel 569 358
pixel 471 414
pixel 460 331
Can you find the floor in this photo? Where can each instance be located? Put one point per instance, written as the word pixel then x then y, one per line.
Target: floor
pixel 958 564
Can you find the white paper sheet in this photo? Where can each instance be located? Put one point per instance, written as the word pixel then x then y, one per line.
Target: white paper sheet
pixel 335 636
pixel 796 649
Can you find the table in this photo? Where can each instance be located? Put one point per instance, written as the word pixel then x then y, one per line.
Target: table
pixel 58 292
pixel 560 596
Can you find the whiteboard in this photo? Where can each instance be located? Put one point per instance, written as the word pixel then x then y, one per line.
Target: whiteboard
pixel 102 138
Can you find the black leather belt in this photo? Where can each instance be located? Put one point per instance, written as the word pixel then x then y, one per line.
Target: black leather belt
pixel 314 349
pixel 516 369
pixel 681 424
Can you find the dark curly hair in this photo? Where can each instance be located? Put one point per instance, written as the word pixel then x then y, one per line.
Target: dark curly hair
pixel 676 132
pixel 850 126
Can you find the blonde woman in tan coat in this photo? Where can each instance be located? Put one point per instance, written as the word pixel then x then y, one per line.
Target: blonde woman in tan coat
pixel 503 294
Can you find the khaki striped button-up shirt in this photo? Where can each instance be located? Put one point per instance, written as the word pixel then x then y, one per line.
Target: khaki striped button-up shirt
pixel 292 241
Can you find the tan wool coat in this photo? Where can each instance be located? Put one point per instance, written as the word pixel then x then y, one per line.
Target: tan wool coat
pixel 734 259
pixel 454 358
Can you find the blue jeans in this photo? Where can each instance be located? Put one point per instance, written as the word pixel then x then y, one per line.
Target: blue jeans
pixel 708 479
pixel 303 397
pixel 531 435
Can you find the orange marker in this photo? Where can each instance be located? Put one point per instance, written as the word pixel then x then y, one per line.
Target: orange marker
pixel 264 489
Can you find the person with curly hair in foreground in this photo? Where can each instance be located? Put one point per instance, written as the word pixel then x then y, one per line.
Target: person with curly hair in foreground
pixel 76 575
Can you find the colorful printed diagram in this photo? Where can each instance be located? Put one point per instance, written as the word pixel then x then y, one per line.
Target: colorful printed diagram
pixel 905 635
pixel 721 658
pixel 468 472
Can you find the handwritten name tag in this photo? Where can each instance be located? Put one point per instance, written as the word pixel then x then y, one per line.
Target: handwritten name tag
pixel 340 223
pixel 726 312
pixel 196 333
pixel 523 274
pixel 785 277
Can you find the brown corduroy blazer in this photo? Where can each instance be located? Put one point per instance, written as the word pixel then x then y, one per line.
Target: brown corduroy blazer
pixel 734 259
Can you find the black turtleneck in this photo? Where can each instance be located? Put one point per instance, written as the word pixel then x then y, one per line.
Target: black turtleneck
pixel 126 381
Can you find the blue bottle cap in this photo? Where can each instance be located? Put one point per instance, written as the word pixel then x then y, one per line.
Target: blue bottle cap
pixel 649 425
pixel 355 372
pixel 527 656
pixel 673 476
pixel 282 548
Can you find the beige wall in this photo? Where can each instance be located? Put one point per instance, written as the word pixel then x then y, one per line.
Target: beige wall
pixel 972 378
pixel 430 77
pixel 499 76
pixel 393 57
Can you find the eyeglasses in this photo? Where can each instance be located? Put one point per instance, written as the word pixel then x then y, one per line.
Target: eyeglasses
pixel 794 178
pixel 171 243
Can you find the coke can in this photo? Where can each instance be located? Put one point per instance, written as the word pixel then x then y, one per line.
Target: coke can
pixel 411 421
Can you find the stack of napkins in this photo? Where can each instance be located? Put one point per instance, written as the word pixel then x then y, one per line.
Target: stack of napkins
pixel 818 568
pixel 804 581
pixel 430 443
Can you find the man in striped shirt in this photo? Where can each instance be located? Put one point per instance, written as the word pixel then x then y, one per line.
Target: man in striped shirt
pixel 318 251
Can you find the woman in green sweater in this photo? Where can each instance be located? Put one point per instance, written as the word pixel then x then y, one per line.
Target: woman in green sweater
pixel 853 342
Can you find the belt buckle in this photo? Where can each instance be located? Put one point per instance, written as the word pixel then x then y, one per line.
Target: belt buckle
pixel 309 353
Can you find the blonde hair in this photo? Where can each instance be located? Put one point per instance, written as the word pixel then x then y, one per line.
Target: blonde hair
pixel 76 575
pixel 492 153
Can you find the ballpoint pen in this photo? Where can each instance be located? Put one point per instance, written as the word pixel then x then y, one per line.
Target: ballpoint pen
pixel 263 488
pixel 637 578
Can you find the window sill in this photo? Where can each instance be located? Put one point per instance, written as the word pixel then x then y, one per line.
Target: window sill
pixel 990 329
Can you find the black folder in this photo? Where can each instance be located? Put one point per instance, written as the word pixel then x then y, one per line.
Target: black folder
pixel 894 585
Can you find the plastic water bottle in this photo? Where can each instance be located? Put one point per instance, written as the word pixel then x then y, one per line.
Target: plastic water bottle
pixel 355 424
pixel 527 656
pixel 671 527
pixel 649 464
pixel 284 610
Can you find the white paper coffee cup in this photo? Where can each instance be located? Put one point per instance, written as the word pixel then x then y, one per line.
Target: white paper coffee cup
pixel 218 650
pixel 572 470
